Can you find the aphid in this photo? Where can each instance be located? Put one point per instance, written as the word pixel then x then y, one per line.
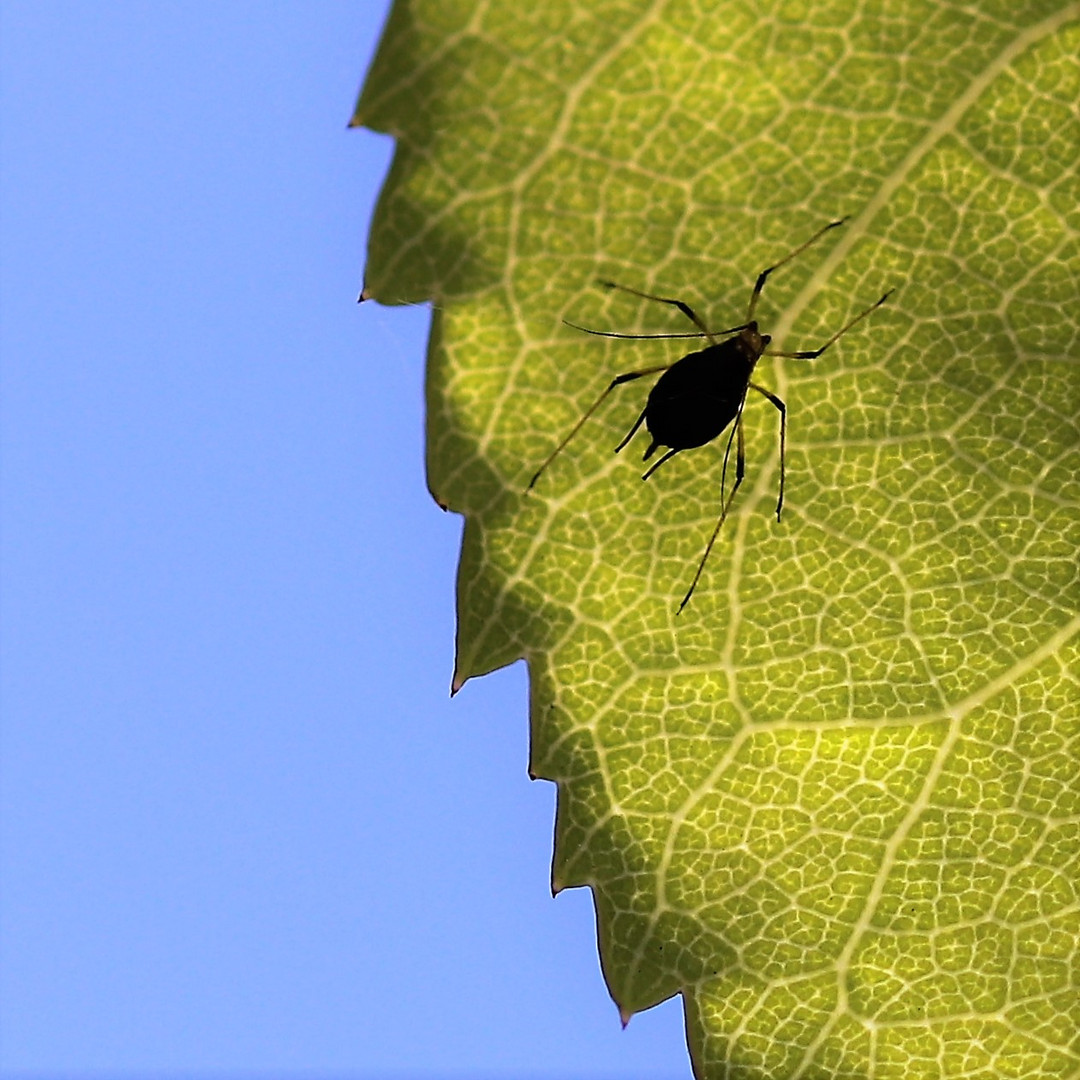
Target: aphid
pixel 699 395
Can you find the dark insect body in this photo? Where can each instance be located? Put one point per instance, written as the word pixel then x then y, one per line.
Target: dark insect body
pixel 699 395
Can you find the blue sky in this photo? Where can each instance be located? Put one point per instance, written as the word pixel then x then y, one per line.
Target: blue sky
pixel 243 827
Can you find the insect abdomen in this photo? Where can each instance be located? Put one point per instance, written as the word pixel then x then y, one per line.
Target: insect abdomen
pixel 696 398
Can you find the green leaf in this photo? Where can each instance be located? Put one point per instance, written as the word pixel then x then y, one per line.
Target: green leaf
pixel 835 802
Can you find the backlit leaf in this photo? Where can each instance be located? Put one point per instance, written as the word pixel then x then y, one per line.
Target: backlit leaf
pixel 834 803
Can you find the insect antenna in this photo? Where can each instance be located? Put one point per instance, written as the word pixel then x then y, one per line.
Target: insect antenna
pixel 635 337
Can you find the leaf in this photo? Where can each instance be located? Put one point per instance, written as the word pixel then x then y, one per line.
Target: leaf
pixel 835 802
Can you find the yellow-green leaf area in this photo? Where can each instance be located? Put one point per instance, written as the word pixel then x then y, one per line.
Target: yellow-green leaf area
pixel 835 802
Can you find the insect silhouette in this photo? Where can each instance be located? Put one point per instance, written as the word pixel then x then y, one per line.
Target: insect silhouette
pixel 699 395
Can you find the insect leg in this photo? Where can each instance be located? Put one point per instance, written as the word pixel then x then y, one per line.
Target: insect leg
pixel 760 284
pixel 727 450
pixel 628 376
pixel 740 471
pixel 685 308
pixel 813 354
pixel 783 437
pixel 633 431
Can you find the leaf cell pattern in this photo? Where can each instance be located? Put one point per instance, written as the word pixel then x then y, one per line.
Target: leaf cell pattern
pixel 836 803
